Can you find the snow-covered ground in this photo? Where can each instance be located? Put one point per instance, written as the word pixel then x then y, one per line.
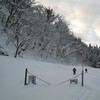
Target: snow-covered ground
pixel 12 81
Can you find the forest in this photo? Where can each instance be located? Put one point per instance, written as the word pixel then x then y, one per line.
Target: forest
pixel 32 29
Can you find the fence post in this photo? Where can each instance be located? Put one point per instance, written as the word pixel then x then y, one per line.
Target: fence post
pixel 82 76
pixel 25 83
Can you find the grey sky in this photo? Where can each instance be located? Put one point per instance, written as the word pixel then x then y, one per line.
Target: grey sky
pixel 84 16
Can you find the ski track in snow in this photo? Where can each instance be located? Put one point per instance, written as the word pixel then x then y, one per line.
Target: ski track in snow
pixel 85 94
pixel 82 93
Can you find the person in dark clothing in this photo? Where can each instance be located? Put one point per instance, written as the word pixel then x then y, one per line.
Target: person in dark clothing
pixel 74 71
pixel 86 70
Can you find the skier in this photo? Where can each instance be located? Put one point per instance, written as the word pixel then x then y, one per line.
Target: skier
pixel 74 71
pixel 86 70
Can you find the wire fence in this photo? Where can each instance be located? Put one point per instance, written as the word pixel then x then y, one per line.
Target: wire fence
pixel 39 78
pixel 70 79
pixel 51 83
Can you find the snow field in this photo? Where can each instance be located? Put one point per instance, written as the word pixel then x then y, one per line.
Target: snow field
pixel 12 81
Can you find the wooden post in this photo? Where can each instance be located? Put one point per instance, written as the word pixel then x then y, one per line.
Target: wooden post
pixel 25 83
pixel 82 76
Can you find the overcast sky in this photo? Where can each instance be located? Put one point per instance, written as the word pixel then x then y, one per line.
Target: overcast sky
pixel 84 16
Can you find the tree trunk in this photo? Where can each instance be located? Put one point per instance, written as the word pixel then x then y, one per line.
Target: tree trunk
pixel 16 53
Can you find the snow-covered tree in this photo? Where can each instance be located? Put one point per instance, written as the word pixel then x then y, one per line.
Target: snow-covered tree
pixel 15 25
pixel 30 26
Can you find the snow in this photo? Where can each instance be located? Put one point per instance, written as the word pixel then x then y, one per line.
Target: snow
pixel 12 81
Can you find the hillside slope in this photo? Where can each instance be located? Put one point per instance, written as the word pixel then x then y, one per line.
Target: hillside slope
pixel 12 81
